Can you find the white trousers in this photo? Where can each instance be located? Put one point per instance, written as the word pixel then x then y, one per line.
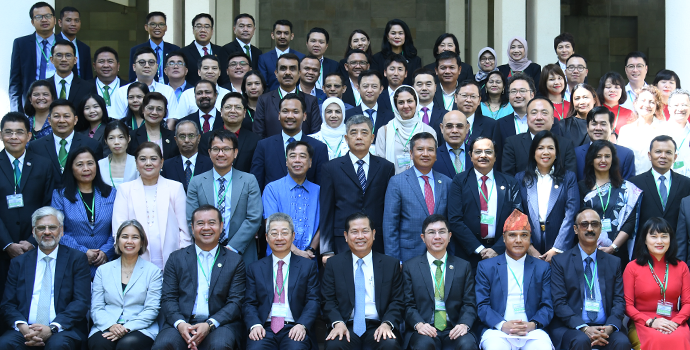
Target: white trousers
pixel 496 340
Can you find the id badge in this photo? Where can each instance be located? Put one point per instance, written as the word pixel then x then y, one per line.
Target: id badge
pixel 678 165
pixel 518 308
pixel 279 310
pixel 206 296
pixel 664 308
pixel 404 160
pixel 606 225
pixel 591 305
pixel 440 305
pixel 486 218
pixel 15 201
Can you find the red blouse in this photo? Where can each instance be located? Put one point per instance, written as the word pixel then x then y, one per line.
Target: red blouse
pixel 561 109
pixel 623 115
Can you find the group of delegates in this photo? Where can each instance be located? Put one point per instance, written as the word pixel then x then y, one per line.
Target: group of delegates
pixel 212 146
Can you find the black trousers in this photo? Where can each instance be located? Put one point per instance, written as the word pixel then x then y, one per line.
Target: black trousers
pixel 131 341
pixel 281 341
pixel 577 340
pixel 442 341
pixel 65 340
pixel 366 341
pixel 224 337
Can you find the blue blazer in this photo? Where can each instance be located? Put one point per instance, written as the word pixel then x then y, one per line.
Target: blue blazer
pixel 22 70
pixel 491 289
pixel 405 210
pixel 303 291
pixel 564 203
pixel 269 165
pixel 626 159
pixel 79 234
pixel 267 65
pixel 444 164
pixel 138 304
pixel 167 49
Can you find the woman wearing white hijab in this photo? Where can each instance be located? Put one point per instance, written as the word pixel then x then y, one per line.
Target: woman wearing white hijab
pixel 333 130
pixel 393 143
pixel 519 63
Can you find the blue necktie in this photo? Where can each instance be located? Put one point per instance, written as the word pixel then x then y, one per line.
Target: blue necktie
pixel 291 140
pixel 360 175
pixel 663 191
pixel 359 325
pixel 371 115
pixel 44 64
pixel 188 172
pixel 159 74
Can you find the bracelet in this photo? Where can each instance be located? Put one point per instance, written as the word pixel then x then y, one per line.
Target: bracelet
pixel 585 329
pixel 651 322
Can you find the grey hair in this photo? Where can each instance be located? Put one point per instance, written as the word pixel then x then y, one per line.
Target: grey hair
pixel 280 217
pixel 42 212
pixel 183 122
pixel 677 92
pixel 142 234
pixel 359 119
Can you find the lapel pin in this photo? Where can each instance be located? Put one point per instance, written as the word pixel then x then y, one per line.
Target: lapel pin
pixel 450 267
pixel 556 186
pixel 220 265
pixel 439 181
pixel 503 187
pixel 167 141
pixel 28 163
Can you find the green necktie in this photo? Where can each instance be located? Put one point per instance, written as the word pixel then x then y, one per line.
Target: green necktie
pixel 106 95
pixel 246 50
pixel 17 174
pixel 439 316
pixel 62 155
pixel 63 91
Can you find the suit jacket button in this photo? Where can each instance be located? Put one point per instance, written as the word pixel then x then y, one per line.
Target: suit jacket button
pixel 92 235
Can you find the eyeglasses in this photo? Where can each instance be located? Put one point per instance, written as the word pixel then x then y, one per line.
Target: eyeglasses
pixel 573 68
pixel 231 107
pixel 240 63
pixel 281 234
pixel 39 17
pixel 10 133
pixel 521 91
pixel 485 59
pixel 439 232
pixel 43 228
pixel 185 137
pixel 468 97
pixel 173 64
pixel 157 25
pixel 67 56
pixel 358 63
pixel 226 150
pixel 632 66
pixel 479 152
pixel 202 26
pixel 451 126
pixel 585 225
pixel 143 63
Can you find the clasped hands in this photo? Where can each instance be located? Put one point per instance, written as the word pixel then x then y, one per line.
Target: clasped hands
pixel 598 334
pixel 517 327
pixel 35 334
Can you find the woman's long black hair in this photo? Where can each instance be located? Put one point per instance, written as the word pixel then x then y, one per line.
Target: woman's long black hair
pixel 558 167
pixel 409 50
pixel 614 172
pixel 70 183
pixel 660 225
pixel 82 123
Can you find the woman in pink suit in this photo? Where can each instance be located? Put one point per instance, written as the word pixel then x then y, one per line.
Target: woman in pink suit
pixel 156 202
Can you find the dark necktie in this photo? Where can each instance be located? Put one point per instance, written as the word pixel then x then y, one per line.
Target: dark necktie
pixel 205 51
pixel 221 207
pixel 188 172
pixel 663 191
pixel 159 73
pixel 17 175
pixel 44 61
pixel 370 112
pixel 360 175
pixel 246 50
pixel 588 272
pixel 63 91
pixel 484 228
pixel 207 126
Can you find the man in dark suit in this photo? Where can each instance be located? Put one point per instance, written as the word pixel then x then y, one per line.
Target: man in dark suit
pixel 599 127
pixel 106 66
pixel 395 73
pixel 317 44
pixel 370 85
pixel 207 118
pixel 362 293
pixel 354 182
pixel 431 113
pixel 665 187
pixel 67 84
pixel 31 55
pixel 521 90
pixel 357 62
pixel 448 70
pixel 586 316
pixel 468 99
pixel 203 290
pixel 334 86
pixel 683 231
pixel 279 311
pixel 453 155
pixel 479 202
pixel 183 167
pixel 513 293
pixel 70 23
pixel 516 148
pixel 439 294
pixel 282 34
pixel 202 25
pixel 238 66
pixel 48 291
pixel 309 68
pixel 244 28
pixel 266 121
pixel 268 163
pixel 63 140
pixel 156 26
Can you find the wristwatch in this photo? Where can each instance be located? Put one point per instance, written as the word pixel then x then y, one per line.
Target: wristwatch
pixel 211 326
pixel 311 249
pixel 53 329
pixel 615 247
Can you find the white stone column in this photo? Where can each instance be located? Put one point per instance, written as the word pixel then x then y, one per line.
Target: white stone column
pixel 455 21
pixel 509 20
pixel 479 32
pixel 677 27
pixel 193 8
pixel 224 20
pixel 252 7
pixel 543 25
pixel 173 11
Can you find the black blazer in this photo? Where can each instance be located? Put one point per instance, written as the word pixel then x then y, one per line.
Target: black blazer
pixel 84 59
pixel 79 89
pixel 266 121
pixel 341 195
pixel 568 286
pixel 575 129
pixel 193 56
pixel 461 217
pixel 247 145
pixel 458 293
pixel 516 153
pixel 438 99
pixel 139 136
pixel 444 164
pixel 436 119
pixel 650 206
pixel 45 147
pixel 533 70
pixel 338 289
pixel 348 95
pixel 466 72
pixel 22 70
pixel 234 46
pixel 167 49
pixel 173 169
pixel 181 279
pixel 194 117
pixel 303 291
pixel 72 289
pixel 414 63
pixel 268 163
pixel 383 115
pixel 329 66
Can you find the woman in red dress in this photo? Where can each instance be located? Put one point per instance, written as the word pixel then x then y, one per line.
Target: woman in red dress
pixel 552 86
pixel 653 285
pixel 612 96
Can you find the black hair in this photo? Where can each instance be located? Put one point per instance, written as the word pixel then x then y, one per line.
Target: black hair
pixel 61 102
pixel 434 218
pixel 244 82
pixel 575 55
pixel 15 117
pixel 370 72
pixel 309 57
pixel 408 46
pixel 422 136
pixel 282 22
pixel 355 216
pixel 206 207
pixel 666 74
pixel 401 89
pixel 600 110
pixel 154 14
pixel 200 16
pixel 68 9
pixel 204 81
pixel 60 42
pixel 38 5
pixel 200 62
pixel 103 49
pixel 293 96
pixel 582 210
pixel 239 54
pixel 69 183
pixel 142 50
pixel 446 55
pixel 635 54
pixel 116 124
pixel 558 167
pixel 29 110
pixel 293 145
pixel 349 40
pixel 154 96
pixel 614 171
pixel 467 82
pixel 480 138
pixel 222 135
pixel 288 56
pixel 522 76
pixel 136 85
pixel 564 37
pixel 421 71
pixel 660 225
pixel 234 94
pixel 440 39
pixel 542 98
pixel 549 69
pixel 504 95
pixel 354 51
pixel 319 30
pixel 82 123
pixel 175 54
pixel 394 58
pixel 616 79
pixel 334 74
pixel 662 138
pixel 243 15
pixel 571 110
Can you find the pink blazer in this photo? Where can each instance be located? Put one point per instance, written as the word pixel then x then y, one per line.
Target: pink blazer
pixel 172 223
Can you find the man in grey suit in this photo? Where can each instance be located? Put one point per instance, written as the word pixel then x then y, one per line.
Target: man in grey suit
pixel 416 188
pixel 235 193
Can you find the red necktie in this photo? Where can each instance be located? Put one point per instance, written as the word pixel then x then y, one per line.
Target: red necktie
pixel 205 51
pixel 277 323
pixel 484 228
pixel 207 126
pixel 428 195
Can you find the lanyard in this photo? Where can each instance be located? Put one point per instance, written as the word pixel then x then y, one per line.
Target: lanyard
pixel 43 52
pixel 482 192
pixel 280 289
pixel 517 125
pixel 494 115
pixel 437 286
pixel 590 284
pixel 336 152
pixel 148 139
pixel 560 115
pixel 608 198
pixel 449 106
pixel 615 122
pixel 250 115
pixel 110 170
pixel 281 94
pixel 208 278
pixel 516 280
pixel 680 145
pixel 408 138
pixel 215 190
pixel 664 286
pixel 93 206
pixel 659 192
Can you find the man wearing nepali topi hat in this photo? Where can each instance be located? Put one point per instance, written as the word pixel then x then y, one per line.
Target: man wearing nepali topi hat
pixel 513 293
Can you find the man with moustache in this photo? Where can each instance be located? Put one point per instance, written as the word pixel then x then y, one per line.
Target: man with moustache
pixel 209 71
pixel 207 117
pixel 429 112
pixel 48 290
pixel 183 167
pixel 244 28
pixel 156 26
pixel 309 75
pixel 238 66
pixel 334 86
pixel 357 61
pixel 448 70
pixel 452 154
pixel 587 292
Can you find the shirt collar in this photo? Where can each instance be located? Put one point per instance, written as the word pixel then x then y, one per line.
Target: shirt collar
pixel 212 251
pixel 286 137
pixel 292 184
pixel 191 159
pixel 227 177
pixel 286 259
pixel 181 87
pixel 50 39
pixel 12 158
pixel 667 174
pixel 479 175
pixel 390 91
pixel 200 47
pixel 584 255
pixel 524 117
pixel 514 262
pixel 444 91
pixel 283 92
pixel 68 138
pixel 68 79
pixel 367 259
pixel 431 258
pixel 52 255
pixel 62 35
pixel 354 158
pixel 419 174
pixel 280 53
pixel 154 46
pixel 113 84
pixel 242 44
pixel 450 149
pixel 540 176
pixel 365 107
pixel 430 106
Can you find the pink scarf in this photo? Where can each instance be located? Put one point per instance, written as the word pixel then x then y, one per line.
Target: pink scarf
pixel 522 64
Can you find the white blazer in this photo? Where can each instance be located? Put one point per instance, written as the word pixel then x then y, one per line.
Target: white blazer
pixel 130 203
pixel 131 172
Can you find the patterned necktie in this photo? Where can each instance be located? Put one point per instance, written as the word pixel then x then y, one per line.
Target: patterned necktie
pixel 663 191
pixel 458 160
pixel 221 205
pixel 439 288
pixel 428 195
pixel 43 310
pixel 425 117
pixel 17 174
pixel 359 325
pixel 484 228
pixel 159 73
pixel 360 175
pixel 63 91
pixel 588 272
pixel 207 126
pixel 246 50
pixel 106 94
pixel 205 51
pixel 370 112
pixel 62 154
pixel 277 323
pixel 44 62
pixel 188 172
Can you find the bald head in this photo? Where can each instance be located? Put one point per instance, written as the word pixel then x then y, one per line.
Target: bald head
pixel 454 128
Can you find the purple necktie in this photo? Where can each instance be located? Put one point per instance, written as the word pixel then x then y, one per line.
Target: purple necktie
pixel 425 118
pixel 277 323
pixel 44 64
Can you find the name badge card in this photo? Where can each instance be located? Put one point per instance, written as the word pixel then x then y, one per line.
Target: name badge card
pixel 518 308
pixel 591 305
pixel 606 225
pixel 486 218
pixel 15 201
pixel 440 305
pixel 664 308
pixel 404 160
pixel 279 310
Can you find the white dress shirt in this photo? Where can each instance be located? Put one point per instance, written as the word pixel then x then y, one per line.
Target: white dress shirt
pixel 67 145
pixel 211 120
pixel 21 160
pixel 448 98
pixel 391 92
pixel 430 108
pixel 470 122
pixel 38 281
pixel 280 53
pixel 637 136
pixel 201 308
pixel 285 289
pixel 667 181
pixel 200 48
pixel 191 159
pixel 112 87
pixel 373 115
pixel 432 268
pixel 682 138
pixel 187 102
pixel 76 51
pixel 370 312
pixel 68 84
pixel 365 166
pixel 118 101
pixel 515 291
pixel 355 92
pixel 544 183
pixel 492 203
pixel 242 44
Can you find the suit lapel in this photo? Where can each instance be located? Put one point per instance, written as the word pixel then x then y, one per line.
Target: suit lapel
pixel 50 150
pixel 651 184
pixel 444 156
pixel 378 280
pixel 500 193
pixel 503 277
pixel 349 169
pixel 428 281
pixel 209 191
pixel 602 278
pixel 74 89
pixel 117 271
pixel 293 271
pixel 217 122
pixel 179 168
pixel 268 278
pixel 191 260
pixel 7 167
pixel 526 142
pixel 350 277
pixel 138 271
pixel 471 182
pixel 576 261
pixel 60 266
pixel 139 207
pixel 374 167
pixel 275 97
pixel 30 273
pixel 237 184
pixel 411 178
pixel 162 203
pixel 439 192
pixel 450 275
pixel 527 275
pixel 671 194
pixel 533 205
pixel 280 150
pixel 553 197
pixel 217 267
pixel 26 169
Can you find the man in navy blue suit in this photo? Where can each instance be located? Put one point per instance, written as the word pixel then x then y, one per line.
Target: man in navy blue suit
pixel 244 28
pixel 453 153
pixel 70 23
pixel 599 127
pixel 280 311
pixel 317 44
pixel 31 55
pixel 370 84
pixel 468 99
pixel 48 291
pixel 429 112
pixel 309 68
pixel 283 35
pixel 268 164
pixel 156 26
pixel 183 167
pixel 513 293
